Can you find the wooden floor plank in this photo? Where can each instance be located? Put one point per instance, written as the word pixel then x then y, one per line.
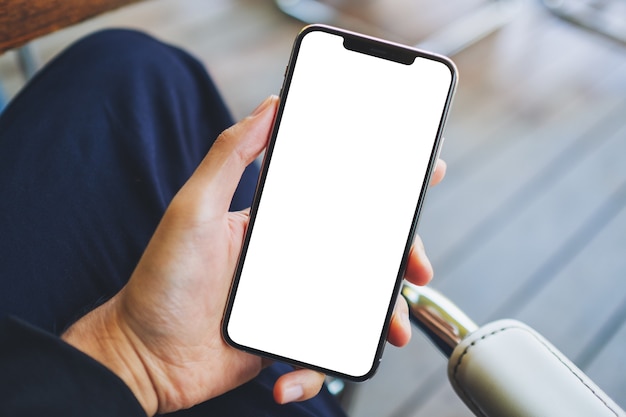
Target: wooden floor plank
pixel 580 304
pixel 471 206
pixel 507 159
pixel 501 265
pixel 486 291
pixel 564 119
pixel 516 74
pixel 565 115
pixel 569 310
pixel 576 303
pixel 444 402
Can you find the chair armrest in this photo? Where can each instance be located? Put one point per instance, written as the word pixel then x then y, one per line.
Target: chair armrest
pixel 506 368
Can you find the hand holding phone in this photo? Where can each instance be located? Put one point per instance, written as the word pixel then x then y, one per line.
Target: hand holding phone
pixel 355 139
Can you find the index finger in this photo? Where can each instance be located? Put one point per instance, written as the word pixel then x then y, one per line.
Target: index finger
pixel 419 270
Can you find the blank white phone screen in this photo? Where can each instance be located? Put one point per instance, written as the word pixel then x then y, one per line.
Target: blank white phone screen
pixel 338 204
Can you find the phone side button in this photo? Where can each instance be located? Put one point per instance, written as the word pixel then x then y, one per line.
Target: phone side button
pixel 440 147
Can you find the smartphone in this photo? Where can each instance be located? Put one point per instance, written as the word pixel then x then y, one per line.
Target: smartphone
pixel 354 141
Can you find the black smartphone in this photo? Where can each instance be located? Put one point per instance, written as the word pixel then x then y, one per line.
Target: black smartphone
pixel 355 139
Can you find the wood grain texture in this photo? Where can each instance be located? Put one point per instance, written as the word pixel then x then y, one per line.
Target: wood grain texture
pixel 24 20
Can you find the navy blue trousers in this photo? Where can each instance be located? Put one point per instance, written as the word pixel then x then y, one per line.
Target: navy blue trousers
pixel 91 153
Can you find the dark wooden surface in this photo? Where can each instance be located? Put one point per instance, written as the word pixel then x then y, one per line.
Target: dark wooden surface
pixel 530 221
pixel 24 20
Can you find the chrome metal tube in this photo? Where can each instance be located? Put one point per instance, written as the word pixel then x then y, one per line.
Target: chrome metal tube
pixel 445 324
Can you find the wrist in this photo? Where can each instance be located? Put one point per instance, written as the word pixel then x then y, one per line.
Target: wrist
pixel 99 335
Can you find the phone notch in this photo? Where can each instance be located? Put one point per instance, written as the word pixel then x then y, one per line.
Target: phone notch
pixel 379 50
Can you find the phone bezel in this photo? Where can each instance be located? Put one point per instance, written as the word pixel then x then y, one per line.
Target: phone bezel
pixel 384 50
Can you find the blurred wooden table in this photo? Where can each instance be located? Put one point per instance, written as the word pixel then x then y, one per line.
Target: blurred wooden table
pixel 24 20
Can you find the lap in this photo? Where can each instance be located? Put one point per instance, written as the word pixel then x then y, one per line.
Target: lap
pixel 91 153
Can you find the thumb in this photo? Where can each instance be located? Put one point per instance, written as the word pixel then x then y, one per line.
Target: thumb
pixel 217 176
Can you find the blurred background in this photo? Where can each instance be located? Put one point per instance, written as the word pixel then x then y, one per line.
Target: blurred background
pixel 530 222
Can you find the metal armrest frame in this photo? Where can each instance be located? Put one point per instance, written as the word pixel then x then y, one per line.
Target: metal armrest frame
pixel 505 368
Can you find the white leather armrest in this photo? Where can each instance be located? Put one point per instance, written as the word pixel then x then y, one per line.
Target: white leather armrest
pixel 506 369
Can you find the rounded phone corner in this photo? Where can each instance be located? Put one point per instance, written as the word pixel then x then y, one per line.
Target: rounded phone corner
pixel 319 27
pixel 369 374
pixel 227 337
pixel 454 72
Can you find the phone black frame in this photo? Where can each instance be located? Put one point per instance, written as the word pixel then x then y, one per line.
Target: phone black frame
pixel 381 49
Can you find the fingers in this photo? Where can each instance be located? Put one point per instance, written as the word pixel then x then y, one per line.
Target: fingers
pixel 216 179
pixel 439 172
pixel 304 384
pixel 400 327
pixel 419 270
pixel 298 385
